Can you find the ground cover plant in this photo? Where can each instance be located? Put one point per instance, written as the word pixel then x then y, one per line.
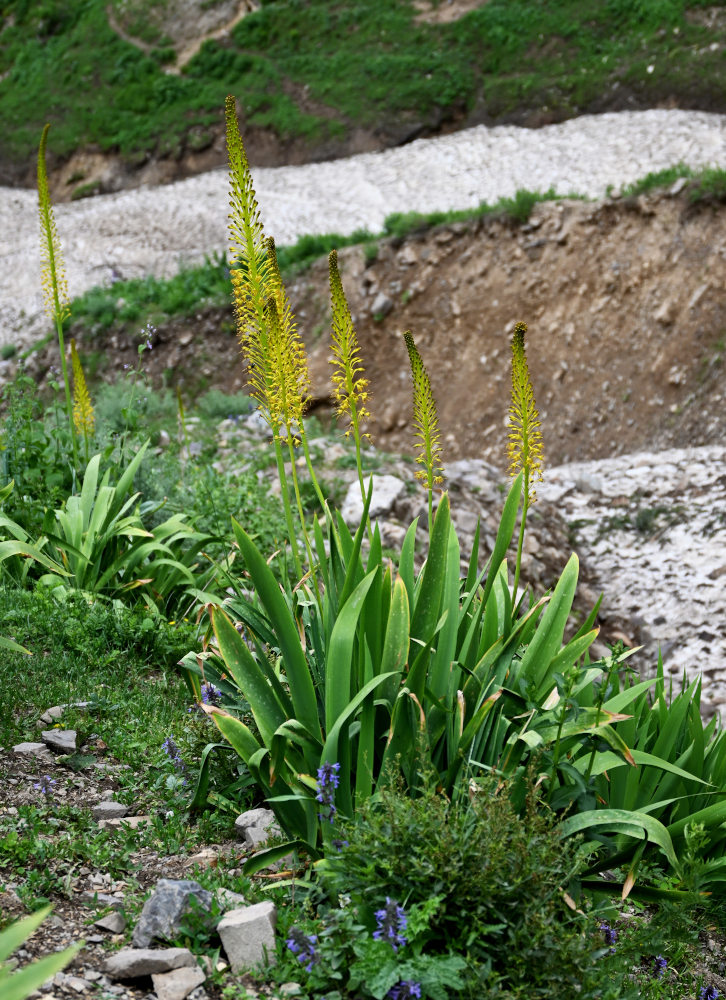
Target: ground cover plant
pixel 311 71
pixel 392 712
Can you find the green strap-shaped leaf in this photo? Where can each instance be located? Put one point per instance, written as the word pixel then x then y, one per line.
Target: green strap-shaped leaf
pixel 21 984
pixel 283 624
pixel 425 612
pixel 235 732
pixel 406 562
pixel 339 658
pixel 331 749
pixel 595 819
pixel 547 640
pixel 261 689
pixel 504 533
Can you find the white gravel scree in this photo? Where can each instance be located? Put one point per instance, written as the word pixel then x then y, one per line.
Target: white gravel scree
pixel 154 230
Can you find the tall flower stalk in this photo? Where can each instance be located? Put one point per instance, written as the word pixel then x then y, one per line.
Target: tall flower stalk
pixel 53 278
pixel 350 387
pixel 83 416
pixel 277 369
pixel 426 423
pixel 524 449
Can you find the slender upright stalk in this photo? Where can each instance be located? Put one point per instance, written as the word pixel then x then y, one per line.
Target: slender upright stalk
pixel 426 422
pixel 55 285
pixel 525 440
pixel 350 387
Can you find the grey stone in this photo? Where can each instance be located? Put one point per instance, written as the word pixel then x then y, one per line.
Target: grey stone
pixel 386 490
pixel 60 740
pixel 101 899
pixel 256 826
pixel 248 935
pixel 133 822
pixel 109 810
pixel 130 963
pixel 114 923
pixel 178 984
pixel 39 750
pixel 77 984
pixel 257 424
pixel 51 714
pixel 54 713
pixel 382 305
pixel 165 909
pixel 229 900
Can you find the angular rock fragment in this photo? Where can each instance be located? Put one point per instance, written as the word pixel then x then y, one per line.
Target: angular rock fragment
pixel 248 935
pixel 109 810
pixel 256 826
pixel 60 740
pixel 130 963
pixel 178 984
pixel 114 923
pixel 166 907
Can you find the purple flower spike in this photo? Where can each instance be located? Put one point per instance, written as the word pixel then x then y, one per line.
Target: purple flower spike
pixel 328 781
pixel 660 965
pixel 404 990
pixel 45 785
pixel 708 993
pixel 211 695
pixel 303 947
pixel 391 922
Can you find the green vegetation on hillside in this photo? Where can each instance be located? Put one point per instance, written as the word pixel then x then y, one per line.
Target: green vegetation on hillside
pixel 313 69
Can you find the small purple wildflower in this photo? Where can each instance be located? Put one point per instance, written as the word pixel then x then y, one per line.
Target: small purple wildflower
pixel 708 993
pixel 339 844
pixel 211 695
pixel 403 990
pixel 45 785
pixel 173 753
pixel 328 781
pixel 391 924
pixel 303 947
pixel 609 933
pixel 660 965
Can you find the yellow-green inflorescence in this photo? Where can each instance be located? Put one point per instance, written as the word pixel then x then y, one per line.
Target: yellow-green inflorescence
pixel 350 386
pixel 53 277
pixel 83 415
pixel 278 370
pixel 426 423
pixel 524 449
pixel 278 373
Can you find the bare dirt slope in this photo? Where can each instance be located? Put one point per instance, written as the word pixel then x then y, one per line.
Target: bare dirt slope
pixel 627 324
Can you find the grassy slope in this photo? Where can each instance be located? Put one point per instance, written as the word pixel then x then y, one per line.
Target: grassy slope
pixel 365 60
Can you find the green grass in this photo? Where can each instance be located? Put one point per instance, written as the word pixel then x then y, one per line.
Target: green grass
pixel 358 63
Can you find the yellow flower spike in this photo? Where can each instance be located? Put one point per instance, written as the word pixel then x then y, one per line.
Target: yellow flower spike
pixel 350 388
pixel 426 422
pixel 53 275
pixel 53 278
pixel 524 449
pixel 83 415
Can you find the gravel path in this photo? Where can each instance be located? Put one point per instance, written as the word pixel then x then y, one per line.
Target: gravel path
pixel 153 230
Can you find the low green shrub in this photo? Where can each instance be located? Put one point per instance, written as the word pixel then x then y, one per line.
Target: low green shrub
pixel 499 878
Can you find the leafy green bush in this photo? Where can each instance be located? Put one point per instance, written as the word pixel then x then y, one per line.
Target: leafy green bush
pixel 499 879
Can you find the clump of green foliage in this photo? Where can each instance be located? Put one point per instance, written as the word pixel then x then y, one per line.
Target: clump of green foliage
pixel 499 879
pixel 371 63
